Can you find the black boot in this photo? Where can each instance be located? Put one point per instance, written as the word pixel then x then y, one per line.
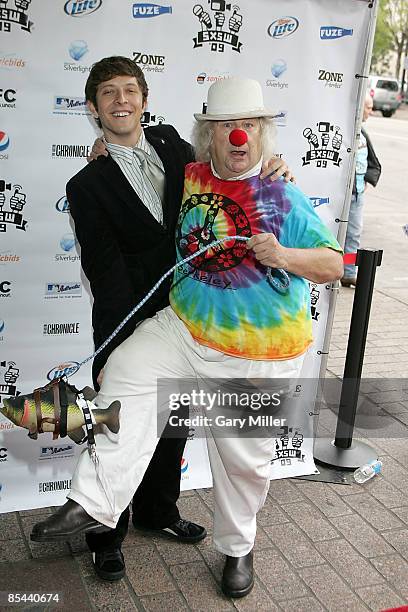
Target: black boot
pixel 68 521
pixel 238 576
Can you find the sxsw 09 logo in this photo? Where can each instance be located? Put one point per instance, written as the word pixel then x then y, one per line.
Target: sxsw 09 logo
pixel 220 25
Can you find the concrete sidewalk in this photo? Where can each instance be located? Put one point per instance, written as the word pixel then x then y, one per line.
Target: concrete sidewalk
pixel 320 546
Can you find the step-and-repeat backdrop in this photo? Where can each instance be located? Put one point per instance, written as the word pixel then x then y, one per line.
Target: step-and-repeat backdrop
pixel 305 53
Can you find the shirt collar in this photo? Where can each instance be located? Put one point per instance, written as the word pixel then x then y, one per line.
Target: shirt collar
pixel 126 153
pixel 254 171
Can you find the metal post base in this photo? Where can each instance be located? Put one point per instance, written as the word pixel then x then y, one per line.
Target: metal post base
pixel 358 454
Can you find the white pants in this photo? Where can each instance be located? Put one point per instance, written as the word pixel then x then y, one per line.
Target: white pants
pixel 162 347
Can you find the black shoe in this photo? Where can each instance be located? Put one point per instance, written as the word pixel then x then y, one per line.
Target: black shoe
pixel 68 521
pixel 348 281
pixel 109 564
pixel 238 576
pixel 181 530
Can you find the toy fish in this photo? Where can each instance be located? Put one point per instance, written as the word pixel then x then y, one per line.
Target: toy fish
pixel 53 408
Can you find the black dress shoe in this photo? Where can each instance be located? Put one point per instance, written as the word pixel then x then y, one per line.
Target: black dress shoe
pixel 238 576
pixel 181 530
pixel 68 521
pixel 109 564
pixel 348 281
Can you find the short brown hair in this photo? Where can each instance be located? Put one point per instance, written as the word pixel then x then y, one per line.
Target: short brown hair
pixel 109 67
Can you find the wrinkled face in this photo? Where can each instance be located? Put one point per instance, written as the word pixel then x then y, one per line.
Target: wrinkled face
pixel 368 108
pixel 119 106
pixel 230 160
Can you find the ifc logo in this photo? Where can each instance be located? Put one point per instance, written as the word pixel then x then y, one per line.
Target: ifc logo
pixel 67 242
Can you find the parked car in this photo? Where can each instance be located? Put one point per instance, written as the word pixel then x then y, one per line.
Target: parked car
pixel 385 92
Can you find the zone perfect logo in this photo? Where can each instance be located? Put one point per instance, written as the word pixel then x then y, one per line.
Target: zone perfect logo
pixel 149 62
pixel 282 27
pixel 332 32
pixel 141 10
pixel 70 151
pixel 8 98
pixel 62 290
pixel 331 79
pixel 80 8
pixel 63 369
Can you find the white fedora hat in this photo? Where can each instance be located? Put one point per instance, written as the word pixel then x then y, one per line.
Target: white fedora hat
pixel 234 98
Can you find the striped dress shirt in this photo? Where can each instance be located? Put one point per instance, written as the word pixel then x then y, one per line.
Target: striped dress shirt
pixel 130 166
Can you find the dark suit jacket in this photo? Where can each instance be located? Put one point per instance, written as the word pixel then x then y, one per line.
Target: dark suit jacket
pixel 124 250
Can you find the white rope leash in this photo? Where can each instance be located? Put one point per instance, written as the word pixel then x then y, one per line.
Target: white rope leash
pixel 280 285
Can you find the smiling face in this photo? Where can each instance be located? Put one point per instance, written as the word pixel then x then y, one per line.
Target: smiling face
pixel 229 160
pixel 119 107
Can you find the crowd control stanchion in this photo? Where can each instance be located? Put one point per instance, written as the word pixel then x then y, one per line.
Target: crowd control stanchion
pixel 343 451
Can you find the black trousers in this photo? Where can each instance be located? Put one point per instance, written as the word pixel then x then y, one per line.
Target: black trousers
pixel 154 503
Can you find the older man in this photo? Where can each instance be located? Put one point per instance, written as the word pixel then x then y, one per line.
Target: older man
pixel 368 171
pixel 228 319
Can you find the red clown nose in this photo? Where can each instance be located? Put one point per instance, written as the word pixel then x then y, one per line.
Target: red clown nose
pixel 238 137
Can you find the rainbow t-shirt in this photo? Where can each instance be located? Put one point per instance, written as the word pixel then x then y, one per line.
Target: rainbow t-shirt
pixel 224 296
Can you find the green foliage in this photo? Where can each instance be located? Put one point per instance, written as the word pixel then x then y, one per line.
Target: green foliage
pixel 391 34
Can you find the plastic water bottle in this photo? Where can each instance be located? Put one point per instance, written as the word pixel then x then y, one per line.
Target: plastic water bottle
pixel 367 471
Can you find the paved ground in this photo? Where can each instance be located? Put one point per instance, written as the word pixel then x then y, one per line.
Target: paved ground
pixel 320 546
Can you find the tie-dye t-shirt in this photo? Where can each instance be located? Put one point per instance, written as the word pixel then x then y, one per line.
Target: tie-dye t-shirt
pixel 224 296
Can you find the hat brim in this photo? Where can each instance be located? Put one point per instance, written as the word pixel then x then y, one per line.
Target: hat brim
pixel 232 116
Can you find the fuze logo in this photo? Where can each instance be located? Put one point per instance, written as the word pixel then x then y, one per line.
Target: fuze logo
pixel 79 8
pixel 330 32
pixel 284 26
pixel 142 10
pixel 62 205
pixel 63 369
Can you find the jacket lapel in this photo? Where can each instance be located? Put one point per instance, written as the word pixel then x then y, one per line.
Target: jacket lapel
pixel 112 175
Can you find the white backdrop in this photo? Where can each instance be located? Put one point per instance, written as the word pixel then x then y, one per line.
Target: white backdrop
pixel 305 53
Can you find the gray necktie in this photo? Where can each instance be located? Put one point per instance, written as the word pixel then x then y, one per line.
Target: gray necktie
pixel 154 174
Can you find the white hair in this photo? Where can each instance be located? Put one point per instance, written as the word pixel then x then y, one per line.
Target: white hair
pixel 202 134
